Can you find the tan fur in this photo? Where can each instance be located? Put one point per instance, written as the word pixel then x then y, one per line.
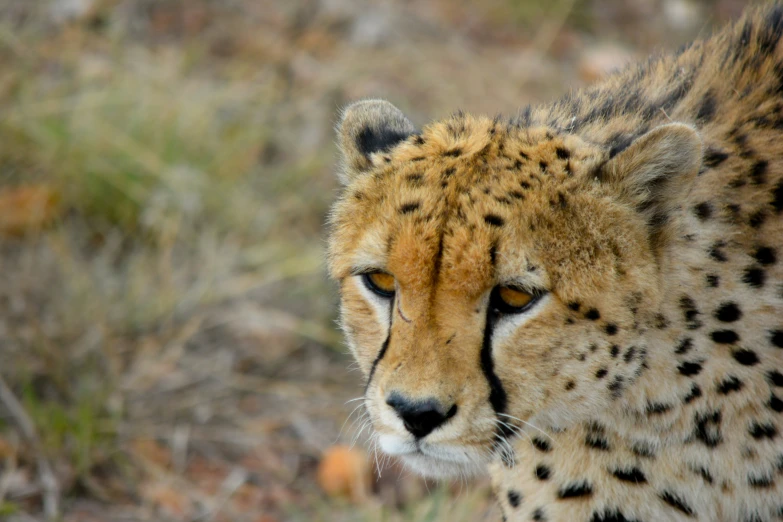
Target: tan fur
pixel 654 199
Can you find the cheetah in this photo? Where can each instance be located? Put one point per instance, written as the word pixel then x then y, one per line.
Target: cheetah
pixel 586 299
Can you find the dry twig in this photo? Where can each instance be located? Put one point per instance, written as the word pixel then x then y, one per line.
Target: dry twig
pixel 49 484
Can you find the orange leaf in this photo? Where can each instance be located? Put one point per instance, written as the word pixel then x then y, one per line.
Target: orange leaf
pixel 344 471
pixel 28 208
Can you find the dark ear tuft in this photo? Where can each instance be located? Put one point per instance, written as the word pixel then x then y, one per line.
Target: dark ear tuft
pixel 370 140
pixel 368 127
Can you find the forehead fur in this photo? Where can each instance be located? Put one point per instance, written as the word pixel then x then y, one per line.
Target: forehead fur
pixel 473 196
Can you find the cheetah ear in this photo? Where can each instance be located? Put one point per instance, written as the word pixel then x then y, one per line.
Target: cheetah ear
pixel 365 128
pixel 656 171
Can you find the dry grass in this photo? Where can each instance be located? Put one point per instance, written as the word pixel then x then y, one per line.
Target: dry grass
pixel 169 334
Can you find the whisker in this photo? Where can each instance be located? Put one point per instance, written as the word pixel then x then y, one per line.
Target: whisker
pixel 348 418
pixel 527 424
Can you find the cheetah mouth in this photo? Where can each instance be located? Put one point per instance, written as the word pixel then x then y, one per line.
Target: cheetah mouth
pixel 436 460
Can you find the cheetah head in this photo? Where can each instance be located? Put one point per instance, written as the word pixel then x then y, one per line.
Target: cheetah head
pixel 496 278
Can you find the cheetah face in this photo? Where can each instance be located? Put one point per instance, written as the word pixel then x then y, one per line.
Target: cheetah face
pixel 495 281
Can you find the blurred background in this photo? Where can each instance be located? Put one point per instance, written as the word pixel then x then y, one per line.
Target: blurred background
pixel 168 349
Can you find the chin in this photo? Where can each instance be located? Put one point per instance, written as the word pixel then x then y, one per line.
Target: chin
pixel 435 468
pixel 437 461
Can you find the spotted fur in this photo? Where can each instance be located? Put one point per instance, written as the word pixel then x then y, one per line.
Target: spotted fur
pixel 646 383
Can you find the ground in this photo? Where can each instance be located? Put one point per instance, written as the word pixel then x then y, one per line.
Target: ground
pixel 167 340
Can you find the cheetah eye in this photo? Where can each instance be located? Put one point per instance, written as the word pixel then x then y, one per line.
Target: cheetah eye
pixel 380 283
pixel 512 300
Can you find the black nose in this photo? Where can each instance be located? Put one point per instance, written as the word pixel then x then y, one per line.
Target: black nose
pixel 420 416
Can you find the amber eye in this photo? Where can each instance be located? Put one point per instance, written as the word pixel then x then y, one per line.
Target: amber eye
pixel 511 300
pixel 380 282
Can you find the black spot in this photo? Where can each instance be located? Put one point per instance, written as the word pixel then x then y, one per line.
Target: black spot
pixel 516 194
pixel 661 322
pixel 757 219
pixel 714 157
pixel 775 378
pixel 629 354
pixel 643 449
pixel 614 351
pixel 707 108
pixel 716 253
pixel 777 198
pixel 769 33
pixel 729 384
pixel 762 431
pixel 562 153
pixel 449 171
pixel 684 346
pixel 616 386
pixel 694 394
pixel 378 140
pixel 414 179
pixel 690 312
pixel 765 256
pixel 574 305
pixel 707 429
pixel 689 369
pixel 676 502
pixel 657 408
pixel 758 172
pixel 493 254
pixel 703 211
pixel 575 489
pixel 524 184
pixel 538 515
pixel 760 481
pixel 494 220
pixel 775 404
pixel 570 385
pixel 593 314
pixel 776 338
pixel 724 336
pixel 407 208
pixel 713 280
pixel 610 329
pixel 611 515
pixel 745 357
pixel 542 445
pixel 754 277
pixel 743 40
pixel 601 373
pixel 543 472
pixel 543 165
pixel 453 152
pixel 596 441
pixel 514 498
pixel 728 313
pixel 630 475
pixel 704 473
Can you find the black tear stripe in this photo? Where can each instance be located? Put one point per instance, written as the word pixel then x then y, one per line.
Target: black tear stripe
pixel 497 395
pixel 378 358
pixel 384 346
